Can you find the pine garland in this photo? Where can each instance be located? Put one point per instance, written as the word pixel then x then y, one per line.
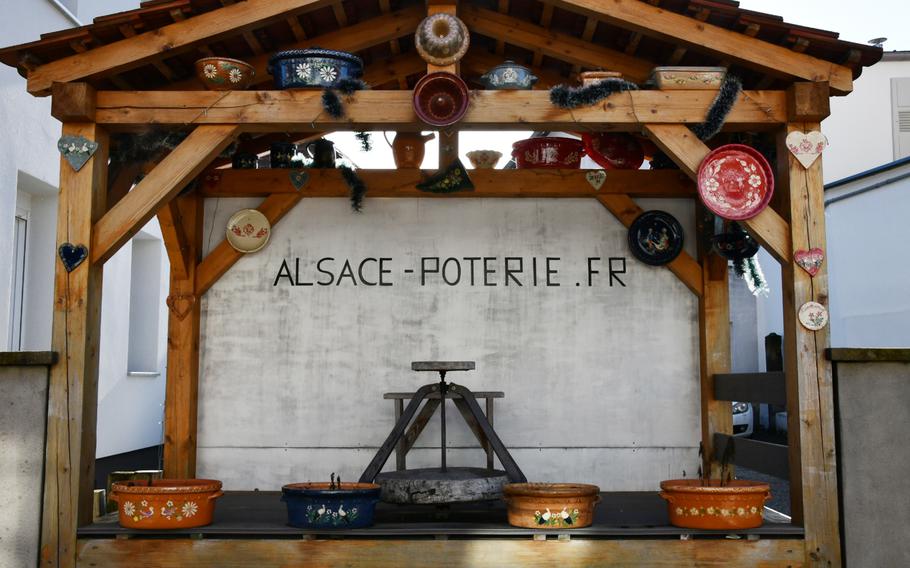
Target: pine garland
pixel 567 97
pixel 358 188
pixel 366 140
pixel 723 103
pixel 331 102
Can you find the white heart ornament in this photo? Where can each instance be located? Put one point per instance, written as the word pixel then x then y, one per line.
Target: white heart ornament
pixel 596 178
pixel 806 146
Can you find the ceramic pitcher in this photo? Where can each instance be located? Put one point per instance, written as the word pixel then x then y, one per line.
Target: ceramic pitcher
pixel 408 148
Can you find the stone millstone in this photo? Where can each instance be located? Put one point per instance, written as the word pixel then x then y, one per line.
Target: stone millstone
pixel 432 485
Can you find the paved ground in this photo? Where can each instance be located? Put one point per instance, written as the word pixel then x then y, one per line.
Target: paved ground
pixel 780 488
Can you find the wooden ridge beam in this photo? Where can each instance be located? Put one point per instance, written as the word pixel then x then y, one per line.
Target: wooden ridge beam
pixel 487 183
pixel 139 50
pixel 300 110
pixel 223 256
pixel 687 151
pixel 168 178
pixel 704 37
pixel 683 266
pixel 554 44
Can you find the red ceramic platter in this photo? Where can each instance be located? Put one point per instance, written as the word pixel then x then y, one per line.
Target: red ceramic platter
pixel 735 182
pixel 614 150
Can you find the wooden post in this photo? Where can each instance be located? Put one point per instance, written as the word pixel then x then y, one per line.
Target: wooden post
pixel 448 147
pixel 714 352
pixel 810 396
pixel 73 390
pixel 180 400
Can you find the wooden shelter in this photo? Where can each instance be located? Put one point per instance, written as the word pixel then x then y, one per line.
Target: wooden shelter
pixel 132 71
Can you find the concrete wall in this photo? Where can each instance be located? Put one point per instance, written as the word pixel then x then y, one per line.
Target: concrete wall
pixel 23 399
pixel 874 406
pixel 601 383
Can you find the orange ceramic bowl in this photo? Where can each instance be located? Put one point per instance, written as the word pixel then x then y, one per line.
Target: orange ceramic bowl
pixel 551 505
pixel 166 503
pixel 694 504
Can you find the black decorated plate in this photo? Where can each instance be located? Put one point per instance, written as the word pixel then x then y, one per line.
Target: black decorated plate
pixel 655 237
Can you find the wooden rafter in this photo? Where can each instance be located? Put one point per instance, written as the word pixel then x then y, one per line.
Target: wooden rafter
pixel 683 266
pixel 136 51
pixel 687 151
pixel 487 184
pixel 555 44
pixel 223 256
pixel 385 7
pixel 176 170
pixel 546 16
pixel 175 240
pixel 704 37
pixel 298 111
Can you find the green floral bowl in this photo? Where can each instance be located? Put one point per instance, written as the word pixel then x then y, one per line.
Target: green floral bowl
pixel 224 73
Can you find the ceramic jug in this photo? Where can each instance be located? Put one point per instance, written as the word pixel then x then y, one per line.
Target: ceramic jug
pixel 322 152
pixel 408 148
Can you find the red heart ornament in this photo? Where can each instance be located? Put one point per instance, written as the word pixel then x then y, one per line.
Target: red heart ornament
pixel 810 260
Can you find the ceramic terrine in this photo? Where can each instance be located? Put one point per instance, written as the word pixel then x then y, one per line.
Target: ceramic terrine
pixel 688 77
pixel 313 68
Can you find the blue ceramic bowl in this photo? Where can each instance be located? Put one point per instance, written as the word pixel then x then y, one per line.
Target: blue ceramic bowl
pixel 315 506
pixel 508 75
pixel 313 68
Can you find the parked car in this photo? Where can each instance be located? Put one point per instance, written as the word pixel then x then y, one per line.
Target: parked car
pixel 742 419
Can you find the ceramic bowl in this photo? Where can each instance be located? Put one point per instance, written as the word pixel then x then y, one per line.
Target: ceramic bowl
pixel 441 99
pixel 551 505
pixel 691 78
pixel 224 73
pixel 484 159
pixel 548 152
pixel 614 150
pixel 591 77
pixel 508 75
pixel 320 506
pixel 165 503
pixel 313 68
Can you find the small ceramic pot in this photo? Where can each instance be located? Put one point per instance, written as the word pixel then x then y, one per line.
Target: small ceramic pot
pixel 508 75
pixel 322 152
pixel 548 152
pixel 614 150
pixel 697 504
pixel 551 505
pixel 591 77
pixel 441 99
pixel 442 39
pixel 244 161
pixel 316 506
pixel 281 154
pixel 691 78
pixel 313 68
pixel 166 503
pixel 408 148
pixel 224 73
pixel 484 159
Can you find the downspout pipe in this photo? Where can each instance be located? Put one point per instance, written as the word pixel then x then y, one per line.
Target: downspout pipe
pixel 66 12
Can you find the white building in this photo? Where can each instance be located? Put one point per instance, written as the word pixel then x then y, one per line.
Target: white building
pixel 134 316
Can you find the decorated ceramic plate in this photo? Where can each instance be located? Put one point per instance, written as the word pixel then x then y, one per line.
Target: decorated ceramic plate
pixel 614 150
pixel 655 237
pixel 813 316
pixel 735 182
pixel 248 230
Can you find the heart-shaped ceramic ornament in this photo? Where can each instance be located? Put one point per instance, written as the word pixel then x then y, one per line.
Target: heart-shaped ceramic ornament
pixel 810 260
pixel 806 146
pixel 77 150
pixel 299 178
pixel 181 305
pixel 596 178
pixel 72 255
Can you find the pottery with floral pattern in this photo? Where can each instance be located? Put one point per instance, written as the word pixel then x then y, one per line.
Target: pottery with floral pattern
pixel 165 503
pixel 710 504
pixel 551 505
pixel 224 73
pixel 313 68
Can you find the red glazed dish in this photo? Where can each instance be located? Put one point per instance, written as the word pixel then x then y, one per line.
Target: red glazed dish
pixel 614 150
pixel 735 182
pixel 441 99
pixel 548 152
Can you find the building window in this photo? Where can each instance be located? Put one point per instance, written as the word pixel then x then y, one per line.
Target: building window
pixel 145 301
pixel 20 235
pixel 900 109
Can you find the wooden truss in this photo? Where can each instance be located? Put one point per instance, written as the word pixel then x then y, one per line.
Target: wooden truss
pixel 104 221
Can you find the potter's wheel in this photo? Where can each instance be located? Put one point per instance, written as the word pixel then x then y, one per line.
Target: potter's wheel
pixel 436 486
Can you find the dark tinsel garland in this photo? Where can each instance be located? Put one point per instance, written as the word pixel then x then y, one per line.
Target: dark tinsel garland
pixel 723 103
pixel 331 102
pixel 358 189
pixel 366 140
pixel 568 97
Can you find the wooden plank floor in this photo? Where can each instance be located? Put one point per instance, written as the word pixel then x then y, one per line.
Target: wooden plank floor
pixel 262 515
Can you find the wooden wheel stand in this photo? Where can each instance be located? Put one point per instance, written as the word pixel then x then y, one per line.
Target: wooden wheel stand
pixel 443 484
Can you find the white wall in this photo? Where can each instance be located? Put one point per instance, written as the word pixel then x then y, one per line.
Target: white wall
pixel 601 384
pixel 859 129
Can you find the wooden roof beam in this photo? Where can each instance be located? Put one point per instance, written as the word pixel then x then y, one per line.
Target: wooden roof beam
pixel 546 16
pixel 136 51
pixel 554 44
pixel 704 37
pixel 301 110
